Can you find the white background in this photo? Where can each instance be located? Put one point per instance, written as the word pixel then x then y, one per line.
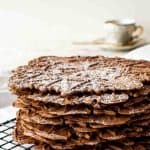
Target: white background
pixel 42 24
pixel 31 28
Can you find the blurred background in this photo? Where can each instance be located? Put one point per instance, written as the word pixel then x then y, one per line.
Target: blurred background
pixel 38 25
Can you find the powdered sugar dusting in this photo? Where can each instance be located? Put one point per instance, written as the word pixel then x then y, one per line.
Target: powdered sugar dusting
pixel 65 86
pixel 102 73
pixel 80 74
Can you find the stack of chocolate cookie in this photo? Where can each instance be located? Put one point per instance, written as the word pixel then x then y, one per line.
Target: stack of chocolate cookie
pixel 83 103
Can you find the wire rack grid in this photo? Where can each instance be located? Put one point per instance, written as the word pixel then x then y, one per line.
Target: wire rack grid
pixel 6 141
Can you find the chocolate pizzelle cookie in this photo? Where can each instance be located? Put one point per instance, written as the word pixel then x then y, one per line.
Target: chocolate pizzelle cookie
pixel 90 103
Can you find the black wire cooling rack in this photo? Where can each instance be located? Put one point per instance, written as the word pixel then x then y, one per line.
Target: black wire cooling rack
pixel 6 141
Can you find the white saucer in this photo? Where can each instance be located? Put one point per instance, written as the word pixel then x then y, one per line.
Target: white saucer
pixel 102 44
pixel 130 46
